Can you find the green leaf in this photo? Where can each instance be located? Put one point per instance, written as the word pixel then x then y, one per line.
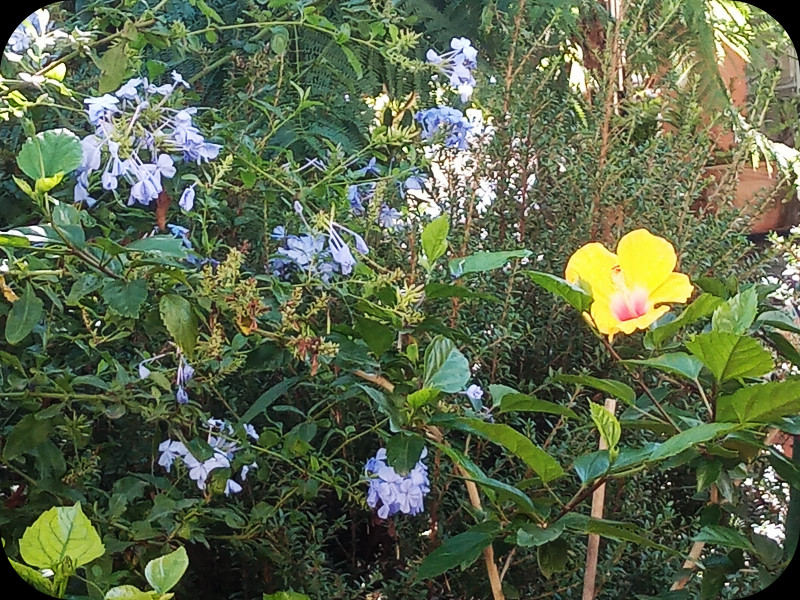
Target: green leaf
pixel 23 316
pixel 779 320
pixel 434 238
pixel 164 245
pixel 125 297
pixel 723 536
pixel 378 337
pixel 445 290
pixel 690 438
pixel 515 402
pixel 58 533
pixel 761 403
pixel 27 435
pixel 530 535
pixel 730 356
pixel 484 261
pixel 552 557
pixel 704 305
pixel 127 592
pixel 608 426
pixel 165 572
pixel 13 240
pixel 461 549
pixel 33 577
pixel 544 465
pixel 499 391
pixel 626 533
pixel 267 398
pixel 112 67
pixel 403 451
pixel 785 468
pixel 209 12
pixel 422 397
pixel 67 224
pixel 675 363
pixel 609 386
pixel 180 321
pixel 575 296
pixel 353 61
pixel 707 473
pixel 49 153
pixel 736 314
pixel 285 596
pixel 784 347
pixel 446 368
pixel 590 466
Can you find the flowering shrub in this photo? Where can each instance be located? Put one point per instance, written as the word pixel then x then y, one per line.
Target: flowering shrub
pixel 342 363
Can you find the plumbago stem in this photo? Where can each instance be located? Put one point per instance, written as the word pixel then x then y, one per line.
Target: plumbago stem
pixel 472 490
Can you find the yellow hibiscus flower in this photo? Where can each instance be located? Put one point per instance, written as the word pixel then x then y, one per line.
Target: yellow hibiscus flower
pixel 629 288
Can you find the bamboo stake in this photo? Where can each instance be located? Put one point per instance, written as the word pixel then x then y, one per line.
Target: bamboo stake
pixel 593 546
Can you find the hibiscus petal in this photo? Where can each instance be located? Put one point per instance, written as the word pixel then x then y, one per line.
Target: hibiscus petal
pixel 591 265
pixel 646 260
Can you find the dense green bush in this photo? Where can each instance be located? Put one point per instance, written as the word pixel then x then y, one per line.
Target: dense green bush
pixel 343 251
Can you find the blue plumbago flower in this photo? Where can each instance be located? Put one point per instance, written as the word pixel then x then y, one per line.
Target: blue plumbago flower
pixel 389 218
pixel 231 487
pixel 138 119
pixel 187 198
pixel 185 373
pixel 278 233
pixel 246 469
pixel 370 169
pixel 199 471
pixel 170 450
pixel 251 431
pixel 457 65
pixel 450 121
pixel 475 395
pixel 32 32
pixel 390 492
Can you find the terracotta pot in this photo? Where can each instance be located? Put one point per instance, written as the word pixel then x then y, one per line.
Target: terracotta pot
pixel 757 195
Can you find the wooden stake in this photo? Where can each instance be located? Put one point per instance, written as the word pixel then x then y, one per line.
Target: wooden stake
pixel 593 547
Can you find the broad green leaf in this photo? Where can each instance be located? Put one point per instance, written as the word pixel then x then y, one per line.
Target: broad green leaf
pixel 27 435
pixel 45 184
pixel 446 368
pixel 445 290
pixel 461 549
pixel 434 238
pixel 608 426
pixel 166 246
pixel 403 451
pixel 704 305
pixel 128 592
pixel 760 403
pixel 60 532
pixel 518 497
pixel 85 284
pixel 590 466
pixel 13 240
pixel 209 12
pixel 730 356
pixel 49 153
pixel 610 386
pixel 707 473
pixel 67 224
pixel 779 320
pixel 626 533
pixel 723 536
pixel 785 468
pixel 515 402
pixel 267 398
pixel 544 465
pixel 552 557
pixel 675 363
pixel 573 294
pixel 422 397
pixel 112 67
pixel 285 596
pixel 125 297
pixel 498 392
pixel 165 572
pixel 279 40
pixel 180 321
pixel 690 438
pixel 484 261
pixel 378 337
pixel 784 347
pixel 23 316
pixel 33 577
pixel 530 535
pixel 737 313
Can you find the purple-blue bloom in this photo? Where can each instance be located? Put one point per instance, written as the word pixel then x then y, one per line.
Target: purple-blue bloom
pixel 99 107
pixel 450 121
pixel 390 492
pixel 457 65
pixel 187 198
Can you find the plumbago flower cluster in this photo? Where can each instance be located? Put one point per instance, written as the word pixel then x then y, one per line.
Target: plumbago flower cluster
pixel 136 135
pixel 321 252
pixel 390 493
pixel 223 454
pixel 184 374
pixel 457 65
pixel 361 194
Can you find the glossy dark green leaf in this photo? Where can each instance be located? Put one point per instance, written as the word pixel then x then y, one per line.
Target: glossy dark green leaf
pixel 703 305
pixel 610 386
pixel 514 402
pixel 23 316
pixel 460 550
pixel 180 321
pixel 125 298
pixel 49 153
pixel 730 356
pixel 675 363
pixel 573 294
pixel 484 261
pixel 760 403
pixel 403 451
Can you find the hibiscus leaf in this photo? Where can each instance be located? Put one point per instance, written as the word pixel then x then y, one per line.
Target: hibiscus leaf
pixel 730 356
pixel 574 295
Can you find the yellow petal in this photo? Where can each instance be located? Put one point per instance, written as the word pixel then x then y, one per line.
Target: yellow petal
pixel 592 264
pixel 676 288
pixel 603 318
pixel 644 321
pixel 646 260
